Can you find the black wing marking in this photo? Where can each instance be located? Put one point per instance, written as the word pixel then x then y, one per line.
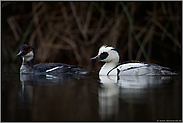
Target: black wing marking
pixel 132 68
pixel 132 61
pixel 151 65
pixel 111 70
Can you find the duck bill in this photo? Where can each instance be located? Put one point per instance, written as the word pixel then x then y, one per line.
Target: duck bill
pixel 20 53
pixel 96 58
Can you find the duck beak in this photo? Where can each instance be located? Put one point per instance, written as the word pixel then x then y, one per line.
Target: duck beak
pixel 96 58
pixel 20 53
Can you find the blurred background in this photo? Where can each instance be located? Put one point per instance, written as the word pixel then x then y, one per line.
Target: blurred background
pixel 72 32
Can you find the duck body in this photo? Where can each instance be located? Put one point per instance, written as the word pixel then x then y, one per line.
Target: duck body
pixel 27 54
pixel 136 68
pixel 57 68
pixel 110 56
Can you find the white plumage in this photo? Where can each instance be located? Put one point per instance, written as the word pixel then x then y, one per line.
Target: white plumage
pixel 110 56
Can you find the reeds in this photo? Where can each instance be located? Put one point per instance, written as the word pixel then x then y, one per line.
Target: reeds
pixel 72 32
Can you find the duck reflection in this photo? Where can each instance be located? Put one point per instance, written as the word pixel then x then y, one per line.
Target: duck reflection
pixel 26 91
pixel 108 97
pixel 48 79
pixel 131 89
pixel 28 82
pixel 61 98
pixel 83 98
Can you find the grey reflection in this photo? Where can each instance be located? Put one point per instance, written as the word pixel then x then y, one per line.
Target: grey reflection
pixel 48 78
pixel 26 92
pixel 68 99
pixel 131 89
pixel 134 89
pixel 142 82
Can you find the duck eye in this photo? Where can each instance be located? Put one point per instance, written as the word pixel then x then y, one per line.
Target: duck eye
pixel 26 49
pixel 103 55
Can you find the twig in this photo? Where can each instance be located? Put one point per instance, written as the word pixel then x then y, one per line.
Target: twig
pixel 11 21
pixel 129 34
pixel 133 31
pixel 36 20
pixel 146 39
pixel 88 18
pixel 69 41
pixel 78 21
pixel 59 46
pixel 167 33
pixel 64 11
pixel 99 33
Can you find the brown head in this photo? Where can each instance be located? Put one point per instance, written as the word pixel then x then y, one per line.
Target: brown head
pixel 26 52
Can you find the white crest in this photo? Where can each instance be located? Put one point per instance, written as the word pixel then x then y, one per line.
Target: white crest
pixel 104 48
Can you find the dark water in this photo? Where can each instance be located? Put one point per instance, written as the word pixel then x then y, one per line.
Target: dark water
pixel 90 97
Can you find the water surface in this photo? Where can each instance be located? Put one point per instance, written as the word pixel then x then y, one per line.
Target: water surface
pixel 89 97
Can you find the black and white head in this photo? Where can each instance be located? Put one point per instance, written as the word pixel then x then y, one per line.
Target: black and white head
pixel 107 54
pixel 26 52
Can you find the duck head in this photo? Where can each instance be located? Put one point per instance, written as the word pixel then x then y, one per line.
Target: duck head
pixel 107 54
pixel 26 52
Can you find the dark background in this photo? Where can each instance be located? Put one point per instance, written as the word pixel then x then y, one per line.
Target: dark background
pixel 72 32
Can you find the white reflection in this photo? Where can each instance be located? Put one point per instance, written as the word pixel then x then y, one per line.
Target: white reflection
pixel 108 96
pixel 131 89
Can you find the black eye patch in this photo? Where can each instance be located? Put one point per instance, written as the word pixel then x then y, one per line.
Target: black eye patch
pixel 103 55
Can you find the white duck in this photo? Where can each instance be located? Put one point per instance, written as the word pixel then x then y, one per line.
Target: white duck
pixel 110 56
